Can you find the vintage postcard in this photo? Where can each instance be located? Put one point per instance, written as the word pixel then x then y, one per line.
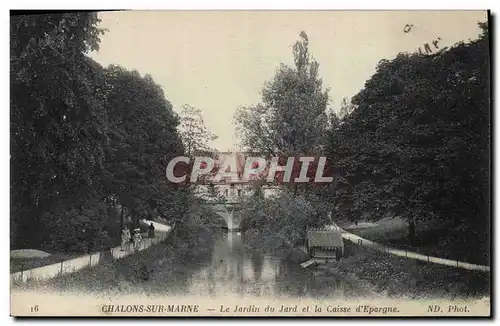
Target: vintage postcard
pixel 250 163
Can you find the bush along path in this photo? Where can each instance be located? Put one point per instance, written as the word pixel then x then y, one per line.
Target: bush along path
pixel 408 254
pixel 73 265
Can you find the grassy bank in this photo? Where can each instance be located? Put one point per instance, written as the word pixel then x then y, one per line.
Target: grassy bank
pixel 439 240
pixel 18 264
pixel 400 277
pixel 151 270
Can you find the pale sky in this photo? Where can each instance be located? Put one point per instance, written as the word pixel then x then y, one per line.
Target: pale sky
pixel 220 60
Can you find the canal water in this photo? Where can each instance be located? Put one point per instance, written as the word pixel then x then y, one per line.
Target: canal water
pixel 234 269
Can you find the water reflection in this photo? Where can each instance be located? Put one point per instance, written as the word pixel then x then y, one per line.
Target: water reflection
pixel 234 269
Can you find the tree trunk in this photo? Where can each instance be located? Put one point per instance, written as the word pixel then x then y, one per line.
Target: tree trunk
pixel 411 231
pixel 121 220
pixel 135 221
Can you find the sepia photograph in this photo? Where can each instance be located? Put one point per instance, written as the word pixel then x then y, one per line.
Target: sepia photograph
pixel 250 163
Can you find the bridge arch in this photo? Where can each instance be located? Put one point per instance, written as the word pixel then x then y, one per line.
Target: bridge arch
pixel 226 211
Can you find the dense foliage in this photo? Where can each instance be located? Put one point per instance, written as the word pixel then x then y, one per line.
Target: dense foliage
pixel 414 142
pixel 85 140
pixel 417 144
pixel 280 222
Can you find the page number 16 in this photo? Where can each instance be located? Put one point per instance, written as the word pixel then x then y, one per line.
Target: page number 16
pixel 34 308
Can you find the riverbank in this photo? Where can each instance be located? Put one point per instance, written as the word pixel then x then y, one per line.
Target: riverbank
pixel 398 277
pixel 434 239
pixel 145 271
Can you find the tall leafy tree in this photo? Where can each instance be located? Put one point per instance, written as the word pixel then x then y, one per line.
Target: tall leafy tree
pixel 346 108
pixel 85 139
pixel 57 124
pixel 143 138
pixel 417 145
pixel 194 133
pixel 291 119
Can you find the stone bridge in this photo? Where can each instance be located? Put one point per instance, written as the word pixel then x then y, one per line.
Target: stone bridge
pixel 227 199
pixel 226 211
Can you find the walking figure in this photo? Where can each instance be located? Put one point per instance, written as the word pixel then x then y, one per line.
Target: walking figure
pixel 137 239
pixel 125 238
pixel 151 232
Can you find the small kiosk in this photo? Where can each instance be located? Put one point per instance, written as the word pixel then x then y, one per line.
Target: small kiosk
pixel 325 244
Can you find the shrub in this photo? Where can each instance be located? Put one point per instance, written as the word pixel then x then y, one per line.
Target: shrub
pixel 281 222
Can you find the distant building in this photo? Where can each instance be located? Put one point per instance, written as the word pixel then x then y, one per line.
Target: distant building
pixel 232 187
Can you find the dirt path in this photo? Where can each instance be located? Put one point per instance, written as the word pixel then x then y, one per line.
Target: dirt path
pixel 75 264
pixel 408 254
